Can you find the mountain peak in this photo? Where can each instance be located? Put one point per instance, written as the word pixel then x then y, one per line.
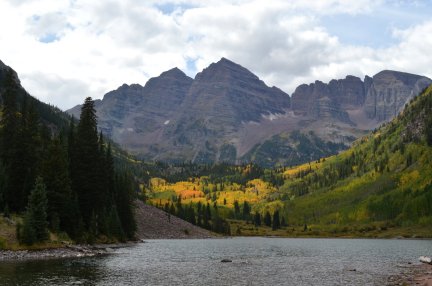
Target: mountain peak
pixel 174 73
pixel 224 63
pixel 224 69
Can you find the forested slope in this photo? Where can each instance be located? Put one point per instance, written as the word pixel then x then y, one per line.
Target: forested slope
pixel 385 177
pixel 57 175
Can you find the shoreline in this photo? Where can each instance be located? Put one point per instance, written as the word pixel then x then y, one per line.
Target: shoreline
pixel 69 251
pixel 412 275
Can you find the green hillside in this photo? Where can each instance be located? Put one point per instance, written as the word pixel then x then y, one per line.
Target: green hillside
pixel 385 177
pixel 382 186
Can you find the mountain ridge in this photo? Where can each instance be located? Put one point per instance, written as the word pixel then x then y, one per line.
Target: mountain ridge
pixel 228 110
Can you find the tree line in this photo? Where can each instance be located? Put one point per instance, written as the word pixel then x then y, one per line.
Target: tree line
pixel 62 180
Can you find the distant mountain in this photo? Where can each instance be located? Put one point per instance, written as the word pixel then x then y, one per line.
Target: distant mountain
pixel 384 180
pixel 228 114
pixel 380 97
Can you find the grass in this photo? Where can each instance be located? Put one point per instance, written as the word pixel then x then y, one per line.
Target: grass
pixel 9 241
pixel 376 230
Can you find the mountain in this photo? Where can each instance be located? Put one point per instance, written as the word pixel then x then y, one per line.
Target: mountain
pixel 384 180
pixel 380 187
pixel 227 114
pixel 52 116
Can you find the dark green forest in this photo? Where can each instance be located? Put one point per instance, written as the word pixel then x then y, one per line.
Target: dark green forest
pixel 60 174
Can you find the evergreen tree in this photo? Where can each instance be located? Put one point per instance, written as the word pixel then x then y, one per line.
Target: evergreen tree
pixel 172 209
pixel 35 228
pixel 124 199
pixel 246 210
pixel 276 220
pixel 208 211
pixel 191 215
pixel 58 186
pixel 30 147
pixel 199 214
pixel 257 219
pixel 283 222
pixel 86 163
pixel 10 147
pixel 114 225
pixel 267 219
pixel 180 212
pixel 236 209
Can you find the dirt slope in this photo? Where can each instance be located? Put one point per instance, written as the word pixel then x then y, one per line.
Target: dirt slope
pixel 155 223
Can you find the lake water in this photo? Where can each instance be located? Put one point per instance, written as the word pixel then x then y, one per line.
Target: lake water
pixel 255 261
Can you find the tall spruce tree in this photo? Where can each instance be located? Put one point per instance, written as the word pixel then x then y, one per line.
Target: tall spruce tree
pixel 276 220
pixel 30 147
pixel 86 164
pixel 246 210
pixel 257 219
pixel 35 228
pixel 267 219
pixel 61 203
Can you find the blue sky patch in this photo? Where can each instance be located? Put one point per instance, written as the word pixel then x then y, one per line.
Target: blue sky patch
pixel 169 8
pixel 49 38
pixel 375 29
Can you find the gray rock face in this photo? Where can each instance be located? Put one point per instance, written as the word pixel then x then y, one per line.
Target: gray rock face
pixel 389 91
pixel 381 97
pixel 220 99
pixel 228 114
pixel 174 117
pixel 319 100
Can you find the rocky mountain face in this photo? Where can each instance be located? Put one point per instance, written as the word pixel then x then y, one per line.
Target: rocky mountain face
pixel 381 97
pixel 226 113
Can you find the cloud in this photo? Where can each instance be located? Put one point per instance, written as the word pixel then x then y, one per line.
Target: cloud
pixel 54 87
pixel 66 50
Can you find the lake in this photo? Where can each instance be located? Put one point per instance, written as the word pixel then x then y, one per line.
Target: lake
pixel 255 261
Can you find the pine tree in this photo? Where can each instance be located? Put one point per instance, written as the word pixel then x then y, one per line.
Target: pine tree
pixel 30 147
pixel 114 225
pixel 236 209
pixel 58 185
pixel 199 214
pixel 10 146
pixel 246 210
pixel 35 228
pixel 257 219
pixel 208 211
pixel 276 220
pixel 267 219
pixel 179 207
pixel 124 200
pixel 86 164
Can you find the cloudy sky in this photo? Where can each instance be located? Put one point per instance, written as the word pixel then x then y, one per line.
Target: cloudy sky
pixel 66 50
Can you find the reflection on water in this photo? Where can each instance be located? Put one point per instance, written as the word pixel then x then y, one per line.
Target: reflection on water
pixel 256 261
pixel 51 272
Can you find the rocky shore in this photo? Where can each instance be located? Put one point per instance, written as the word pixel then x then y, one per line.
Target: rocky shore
pixel 412 275
pixel 69 251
